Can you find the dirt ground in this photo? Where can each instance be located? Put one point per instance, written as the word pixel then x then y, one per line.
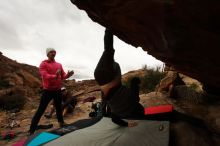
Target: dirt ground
pixel 23 118
pixel 82 112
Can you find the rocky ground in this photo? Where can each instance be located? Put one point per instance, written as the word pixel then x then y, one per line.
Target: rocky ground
pixel 23 117
pixel 185 132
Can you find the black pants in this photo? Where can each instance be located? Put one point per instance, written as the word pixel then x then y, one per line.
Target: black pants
pixel 107 59
pixel 46 97
pixel 107 69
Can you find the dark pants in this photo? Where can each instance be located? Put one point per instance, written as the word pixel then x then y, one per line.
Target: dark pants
pixel 107 69
pixel 46 97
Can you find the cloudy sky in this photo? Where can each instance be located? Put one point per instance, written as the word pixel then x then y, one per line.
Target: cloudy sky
pixel 27 27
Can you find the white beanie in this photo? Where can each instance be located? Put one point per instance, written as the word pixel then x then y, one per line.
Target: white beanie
pixel 49 50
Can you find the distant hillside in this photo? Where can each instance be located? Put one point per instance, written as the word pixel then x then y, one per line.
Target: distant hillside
pixel 18 82
pixel 14 74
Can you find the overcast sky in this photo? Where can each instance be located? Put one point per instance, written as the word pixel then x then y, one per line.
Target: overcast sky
pixel 27 27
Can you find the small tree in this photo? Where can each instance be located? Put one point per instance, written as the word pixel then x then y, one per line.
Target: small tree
pixel 150 80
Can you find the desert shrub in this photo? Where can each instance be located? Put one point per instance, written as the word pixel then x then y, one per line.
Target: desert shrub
pixel 193 86
pixel 149 81
pixel 12 101
pixel 3 83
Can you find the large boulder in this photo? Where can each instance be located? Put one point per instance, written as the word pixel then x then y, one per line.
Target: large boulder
pixel 135 73
pixel 181 33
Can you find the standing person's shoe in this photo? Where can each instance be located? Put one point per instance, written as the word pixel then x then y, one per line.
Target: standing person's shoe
pixel 30 132
pixel 62 124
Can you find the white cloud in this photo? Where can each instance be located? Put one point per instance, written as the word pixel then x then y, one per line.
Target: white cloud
pixel 27 27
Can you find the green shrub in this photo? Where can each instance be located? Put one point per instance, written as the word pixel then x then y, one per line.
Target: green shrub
pixel 193 86
pixel 149 81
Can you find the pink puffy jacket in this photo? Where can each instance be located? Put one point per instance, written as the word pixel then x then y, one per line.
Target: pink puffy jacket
pixel 48 71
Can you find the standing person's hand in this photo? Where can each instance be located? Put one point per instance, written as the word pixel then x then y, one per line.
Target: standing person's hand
pixel 70 73
pixel 58 73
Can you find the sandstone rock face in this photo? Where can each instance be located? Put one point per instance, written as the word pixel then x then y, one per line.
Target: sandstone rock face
pixel 29 79
pixel 172 78
pixel 167 81
pixel 181 33
pixel 18 82
pixel 13 79
pixel 135 73
pixel 14 74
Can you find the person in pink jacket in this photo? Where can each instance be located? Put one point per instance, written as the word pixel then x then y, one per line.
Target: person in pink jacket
pixel 52 74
